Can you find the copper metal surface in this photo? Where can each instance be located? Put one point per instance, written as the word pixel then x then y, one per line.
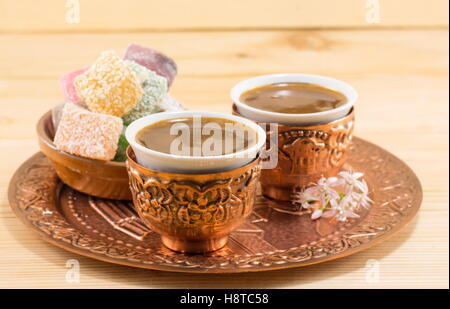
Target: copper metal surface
pixel 102 179
pixel 306 153
pixel 271 238
pixel 193 213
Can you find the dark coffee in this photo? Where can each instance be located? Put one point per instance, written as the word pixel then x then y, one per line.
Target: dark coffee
pixel 197 136
pixel 293 98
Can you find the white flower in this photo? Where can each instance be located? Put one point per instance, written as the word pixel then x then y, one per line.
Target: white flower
pixel 329 183
pixel 350 177
pixel 365 201
pixel 305 198
pixel 363 187
pixel 347 207
pixel 325 189
pixel 351 180
pixel 330 213
pixel 328 202
pixel 316 214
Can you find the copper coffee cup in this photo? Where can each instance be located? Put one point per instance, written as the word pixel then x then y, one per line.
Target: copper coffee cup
pixel 193 201
pixel 193 213
pixel 307 148
pixel 305 154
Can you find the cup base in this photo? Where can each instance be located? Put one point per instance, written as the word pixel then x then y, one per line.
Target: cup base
pixel 194 246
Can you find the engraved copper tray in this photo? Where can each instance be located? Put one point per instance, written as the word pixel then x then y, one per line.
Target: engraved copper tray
pixel 272 237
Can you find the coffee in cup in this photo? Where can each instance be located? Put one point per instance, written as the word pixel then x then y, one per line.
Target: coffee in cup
pixel 194 142
pixel 293 98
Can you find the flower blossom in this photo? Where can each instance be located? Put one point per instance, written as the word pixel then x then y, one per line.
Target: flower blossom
pixel 327 200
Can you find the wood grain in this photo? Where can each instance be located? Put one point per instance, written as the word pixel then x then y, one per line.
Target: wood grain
pixel 128 15
pixel 402 78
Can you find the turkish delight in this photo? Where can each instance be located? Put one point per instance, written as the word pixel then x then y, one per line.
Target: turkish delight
pixel 87 134
pixel 152 60
pixel 109 86
pixel 154 88
pixel 58 109
pixel 170 104
pixel 67 86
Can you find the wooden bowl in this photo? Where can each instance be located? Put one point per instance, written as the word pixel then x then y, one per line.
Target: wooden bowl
pixel 98 178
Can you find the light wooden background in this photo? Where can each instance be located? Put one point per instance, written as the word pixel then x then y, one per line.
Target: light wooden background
pixel 399 67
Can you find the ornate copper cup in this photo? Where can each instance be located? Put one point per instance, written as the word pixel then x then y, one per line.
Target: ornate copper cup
pixel 308 146
pixel 193 213
pixel 305 154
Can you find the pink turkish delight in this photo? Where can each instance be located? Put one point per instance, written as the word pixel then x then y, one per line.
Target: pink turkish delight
pixel 67 86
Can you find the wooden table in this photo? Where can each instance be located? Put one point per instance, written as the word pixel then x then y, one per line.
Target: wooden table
pixel 402 78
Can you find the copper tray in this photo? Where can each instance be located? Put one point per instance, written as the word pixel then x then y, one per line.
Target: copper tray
pixel 272 238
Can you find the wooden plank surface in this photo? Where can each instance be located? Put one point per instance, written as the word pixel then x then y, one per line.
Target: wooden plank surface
pixel 402 78
pixel 127 15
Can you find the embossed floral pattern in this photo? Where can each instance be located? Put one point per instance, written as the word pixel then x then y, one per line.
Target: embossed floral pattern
pixel 189 203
